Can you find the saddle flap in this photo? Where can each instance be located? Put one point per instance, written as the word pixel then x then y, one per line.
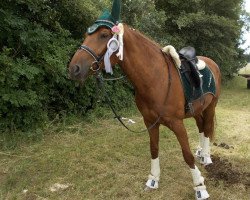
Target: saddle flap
pixel 191 73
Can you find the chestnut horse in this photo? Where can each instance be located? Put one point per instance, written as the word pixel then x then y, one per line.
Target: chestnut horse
pixel 158 94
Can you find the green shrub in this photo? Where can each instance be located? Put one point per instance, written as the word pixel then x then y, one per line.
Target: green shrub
pixel 38 37
pixel 36 43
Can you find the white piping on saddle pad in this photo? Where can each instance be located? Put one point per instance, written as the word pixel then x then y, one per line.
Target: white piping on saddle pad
pixel 114 45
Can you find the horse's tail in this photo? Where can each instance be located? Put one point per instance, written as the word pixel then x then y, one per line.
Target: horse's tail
pixel 212 137
pixel 210 115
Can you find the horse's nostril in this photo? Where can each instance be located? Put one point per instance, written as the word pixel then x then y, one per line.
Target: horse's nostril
pixel 76 70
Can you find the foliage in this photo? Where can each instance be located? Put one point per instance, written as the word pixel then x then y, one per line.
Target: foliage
pixel 144 16
pixel 38 37
pixel 212 27
pixel 36 41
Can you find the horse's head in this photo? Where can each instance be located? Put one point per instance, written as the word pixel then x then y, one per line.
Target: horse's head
pixel 88 59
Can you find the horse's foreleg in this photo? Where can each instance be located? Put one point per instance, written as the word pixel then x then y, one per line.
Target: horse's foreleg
pixel 178 128
pixel 154 176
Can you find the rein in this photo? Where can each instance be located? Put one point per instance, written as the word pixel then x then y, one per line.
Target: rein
pixel 100 83
pixel 99 80
pixel 114 79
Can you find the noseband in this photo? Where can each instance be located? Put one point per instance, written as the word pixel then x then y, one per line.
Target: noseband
pixel 97 59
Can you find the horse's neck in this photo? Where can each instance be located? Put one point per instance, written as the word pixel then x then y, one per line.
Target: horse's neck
pixel 143 60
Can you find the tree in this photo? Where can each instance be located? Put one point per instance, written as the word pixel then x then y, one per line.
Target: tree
pixel 212 27
pixel 142 15
pixel 38 37
pixel 36 40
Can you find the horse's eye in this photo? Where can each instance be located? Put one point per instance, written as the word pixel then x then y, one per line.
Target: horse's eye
pixel 104 35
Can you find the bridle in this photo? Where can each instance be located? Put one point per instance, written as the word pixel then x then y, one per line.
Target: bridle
pixel 97 59
pixel 100 79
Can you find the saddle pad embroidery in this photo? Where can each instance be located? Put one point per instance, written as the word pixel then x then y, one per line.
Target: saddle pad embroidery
pixel 208 85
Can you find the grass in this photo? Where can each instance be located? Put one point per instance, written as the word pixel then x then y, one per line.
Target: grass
pixel 99 159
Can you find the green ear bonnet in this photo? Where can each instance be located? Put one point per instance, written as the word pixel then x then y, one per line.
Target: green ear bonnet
pixel 107 19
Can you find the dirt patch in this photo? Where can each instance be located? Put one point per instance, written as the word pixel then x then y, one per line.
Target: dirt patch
pixel 223 145
pixel 222 169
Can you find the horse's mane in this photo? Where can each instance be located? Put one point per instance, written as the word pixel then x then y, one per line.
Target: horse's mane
pixel 150 43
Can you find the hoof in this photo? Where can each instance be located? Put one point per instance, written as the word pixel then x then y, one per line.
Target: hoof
pixel 201 193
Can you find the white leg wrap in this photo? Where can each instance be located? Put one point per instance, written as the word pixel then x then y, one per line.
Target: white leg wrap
pixel 154 177
pixel 197 178
pixel 199 148
pixel 155 168
pixel 205 152
pixel 201 139
pixel 200 189
pixel 206 146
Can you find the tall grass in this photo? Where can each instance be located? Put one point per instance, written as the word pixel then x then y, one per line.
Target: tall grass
pixel 98 159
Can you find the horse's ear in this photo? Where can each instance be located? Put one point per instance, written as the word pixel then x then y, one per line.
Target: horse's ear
pixel 116 10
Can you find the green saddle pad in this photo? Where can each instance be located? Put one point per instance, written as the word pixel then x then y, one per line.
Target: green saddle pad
pixel 208 85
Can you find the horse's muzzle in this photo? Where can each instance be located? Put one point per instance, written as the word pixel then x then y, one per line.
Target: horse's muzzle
pixel 78 72
pixel 74 72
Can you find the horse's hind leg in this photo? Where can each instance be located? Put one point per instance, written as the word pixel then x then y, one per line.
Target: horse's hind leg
pixel 178 128
pixel 208 128
pixel 200 124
